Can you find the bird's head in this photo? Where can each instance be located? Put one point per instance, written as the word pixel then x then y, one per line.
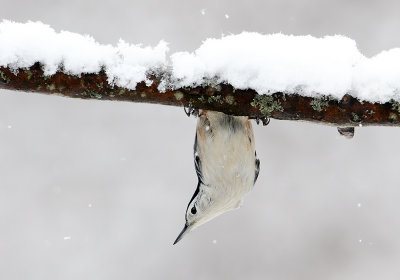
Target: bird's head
pixel 207 203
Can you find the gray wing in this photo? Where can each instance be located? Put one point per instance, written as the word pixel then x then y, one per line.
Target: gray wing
pixel 197 162
pixel 257 168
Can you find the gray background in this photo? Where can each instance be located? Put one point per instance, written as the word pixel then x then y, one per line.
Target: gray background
pixel 115 178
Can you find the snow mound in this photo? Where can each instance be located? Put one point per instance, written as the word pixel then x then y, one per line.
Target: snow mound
pixel 22 45
pixel 305 65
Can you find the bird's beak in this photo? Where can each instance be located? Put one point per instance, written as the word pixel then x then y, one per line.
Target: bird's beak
pixel 185 230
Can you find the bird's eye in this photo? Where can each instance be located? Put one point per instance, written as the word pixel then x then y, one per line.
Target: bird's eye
pixel 193 210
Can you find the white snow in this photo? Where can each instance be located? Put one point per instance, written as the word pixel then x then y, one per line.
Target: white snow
pixel 203 11
pixel 226 16
pixel 378 78
pixel 331 65
pixel 21 45
pixel 310 66
pixel 67 237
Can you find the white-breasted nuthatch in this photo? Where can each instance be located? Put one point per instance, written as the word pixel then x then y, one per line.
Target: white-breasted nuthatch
pixel 226 164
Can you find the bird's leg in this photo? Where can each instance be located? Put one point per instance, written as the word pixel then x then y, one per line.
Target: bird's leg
pixel 190 110
pixel 265 120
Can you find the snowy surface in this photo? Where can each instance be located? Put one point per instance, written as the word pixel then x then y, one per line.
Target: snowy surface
pixel 310 66
pixel 331 65
pixel 21 45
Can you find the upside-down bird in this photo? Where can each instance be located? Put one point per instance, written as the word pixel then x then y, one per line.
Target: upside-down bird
pixel 226 164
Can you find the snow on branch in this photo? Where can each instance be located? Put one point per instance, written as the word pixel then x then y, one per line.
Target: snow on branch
pixel 325 80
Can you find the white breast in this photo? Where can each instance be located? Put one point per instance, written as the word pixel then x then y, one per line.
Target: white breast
pixel 225 145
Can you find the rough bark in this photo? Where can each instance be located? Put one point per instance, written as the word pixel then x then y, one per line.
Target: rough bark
pixel 348 112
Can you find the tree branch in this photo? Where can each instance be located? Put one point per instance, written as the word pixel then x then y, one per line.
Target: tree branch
pixel 348 112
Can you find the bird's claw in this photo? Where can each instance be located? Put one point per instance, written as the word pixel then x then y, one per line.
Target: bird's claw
pixel 265 120
pixel 190 110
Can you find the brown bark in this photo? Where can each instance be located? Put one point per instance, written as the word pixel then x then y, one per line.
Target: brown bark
pixel 347 112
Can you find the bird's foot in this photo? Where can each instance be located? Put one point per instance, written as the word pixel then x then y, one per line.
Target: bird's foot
pixel 190 110
pixel 265 120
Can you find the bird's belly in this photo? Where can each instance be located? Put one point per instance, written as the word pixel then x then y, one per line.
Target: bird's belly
pixel 231 162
